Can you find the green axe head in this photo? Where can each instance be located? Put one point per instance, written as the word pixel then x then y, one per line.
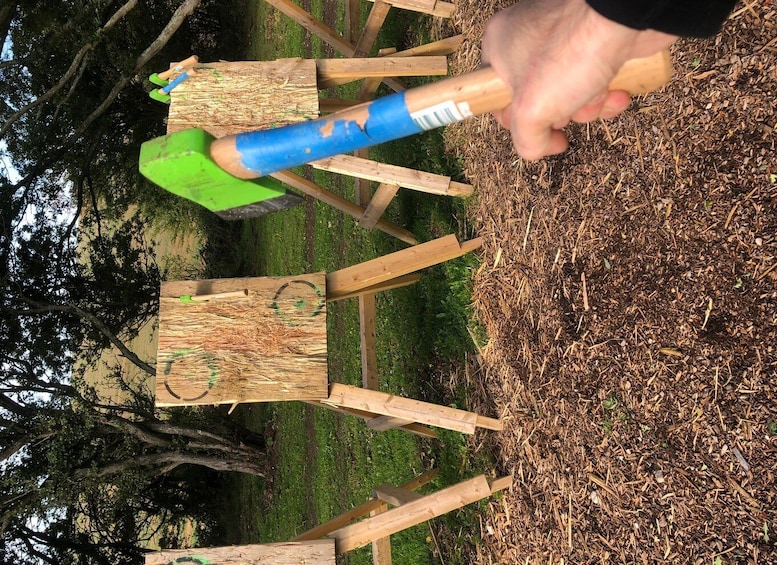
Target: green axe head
pixel 155 79
pixel 181 163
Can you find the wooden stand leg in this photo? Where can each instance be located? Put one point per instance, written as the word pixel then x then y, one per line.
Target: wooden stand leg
pixel 442 47
pixel 369 417
pixel 335 72
pixel 383 269
pixel 412 513
pixel 378 204
pixel 367 335
pixel 407 409
pixel 361 510
pixel 371 28
pixel 432 7
pixel 308 187
pixel 393 174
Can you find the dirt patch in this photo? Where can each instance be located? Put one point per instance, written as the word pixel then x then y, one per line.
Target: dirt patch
pixel 629 292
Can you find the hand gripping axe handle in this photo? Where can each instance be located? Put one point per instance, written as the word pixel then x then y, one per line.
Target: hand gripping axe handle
pixel 260 153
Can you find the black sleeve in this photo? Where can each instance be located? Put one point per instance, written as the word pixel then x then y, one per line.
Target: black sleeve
pixel 688 18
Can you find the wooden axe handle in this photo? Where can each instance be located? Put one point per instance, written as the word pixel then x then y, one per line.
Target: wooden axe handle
pixel 483 91
pixel 259 153
pixel 178 67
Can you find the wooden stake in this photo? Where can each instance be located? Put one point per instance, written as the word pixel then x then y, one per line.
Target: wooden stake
pixel 381 548
pixel 380 10
pixel 367 337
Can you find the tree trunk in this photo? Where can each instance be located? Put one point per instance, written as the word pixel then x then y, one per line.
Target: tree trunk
pixel 170 460
pixel 7 13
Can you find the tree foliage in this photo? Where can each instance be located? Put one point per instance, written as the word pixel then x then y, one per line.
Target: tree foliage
pixel 84 481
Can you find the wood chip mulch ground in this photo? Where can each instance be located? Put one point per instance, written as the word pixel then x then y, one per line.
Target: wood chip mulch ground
pixel 629 292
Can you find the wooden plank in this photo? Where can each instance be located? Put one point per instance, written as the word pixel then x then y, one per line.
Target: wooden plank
pixel 393 174
pixel 327 69
pixel 267 343
pixel 397 264
pixel 445 46
pixel 329 105
pixel 314 26
pixel 370 86
pixel 398 282
pixel 355 211
pixel 336 72
pixel 490 423
pixel 396 496
pixel 378 204
pixel 375 20
pixel 381 548
pixel 361 510
pixel 397 519
pixel 439 9
pixel 367 338
pixel 399 407
pixel 271 94
pixel 383 423
pixel 413 428
pixel 352 20
pixel 362 187
pixel 320 552
pixel 501 483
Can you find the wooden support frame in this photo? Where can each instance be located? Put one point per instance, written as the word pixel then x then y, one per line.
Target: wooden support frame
pixel 375 20
pixel 442 47
pixel 410 514
pixel 361 510
pixel 335 72
pixel 354 210
pixel 409 509
pixel 412 427
pixel 393 174
pixel 408 409
pixel 388 267
pixel 378 204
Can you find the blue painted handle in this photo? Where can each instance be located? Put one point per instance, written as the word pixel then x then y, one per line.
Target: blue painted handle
pixel 269 151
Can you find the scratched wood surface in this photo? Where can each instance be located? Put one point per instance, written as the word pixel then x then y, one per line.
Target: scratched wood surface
pixel 267 344
pixel 228 98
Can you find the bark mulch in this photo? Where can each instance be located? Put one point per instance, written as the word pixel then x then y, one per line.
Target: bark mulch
pixel 628 289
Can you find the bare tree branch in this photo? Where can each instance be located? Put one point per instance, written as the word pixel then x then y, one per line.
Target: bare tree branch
pixel 174 459
pixel 74 67
pixel 179 16
pixel 39 308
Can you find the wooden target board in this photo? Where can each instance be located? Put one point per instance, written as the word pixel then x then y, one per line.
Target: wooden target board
pixel 227 98
pixel 223 341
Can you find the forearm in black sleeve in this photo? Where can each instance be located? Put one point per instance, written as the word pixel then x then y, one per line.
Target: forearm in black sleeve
pixel 687 18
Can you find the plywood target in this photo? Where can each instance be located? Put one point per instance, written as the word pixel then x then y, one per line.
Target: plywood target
pixel 242 340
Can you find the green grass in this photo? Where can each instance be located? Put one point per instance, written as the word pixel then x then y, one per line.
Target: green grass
pixel 324 463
